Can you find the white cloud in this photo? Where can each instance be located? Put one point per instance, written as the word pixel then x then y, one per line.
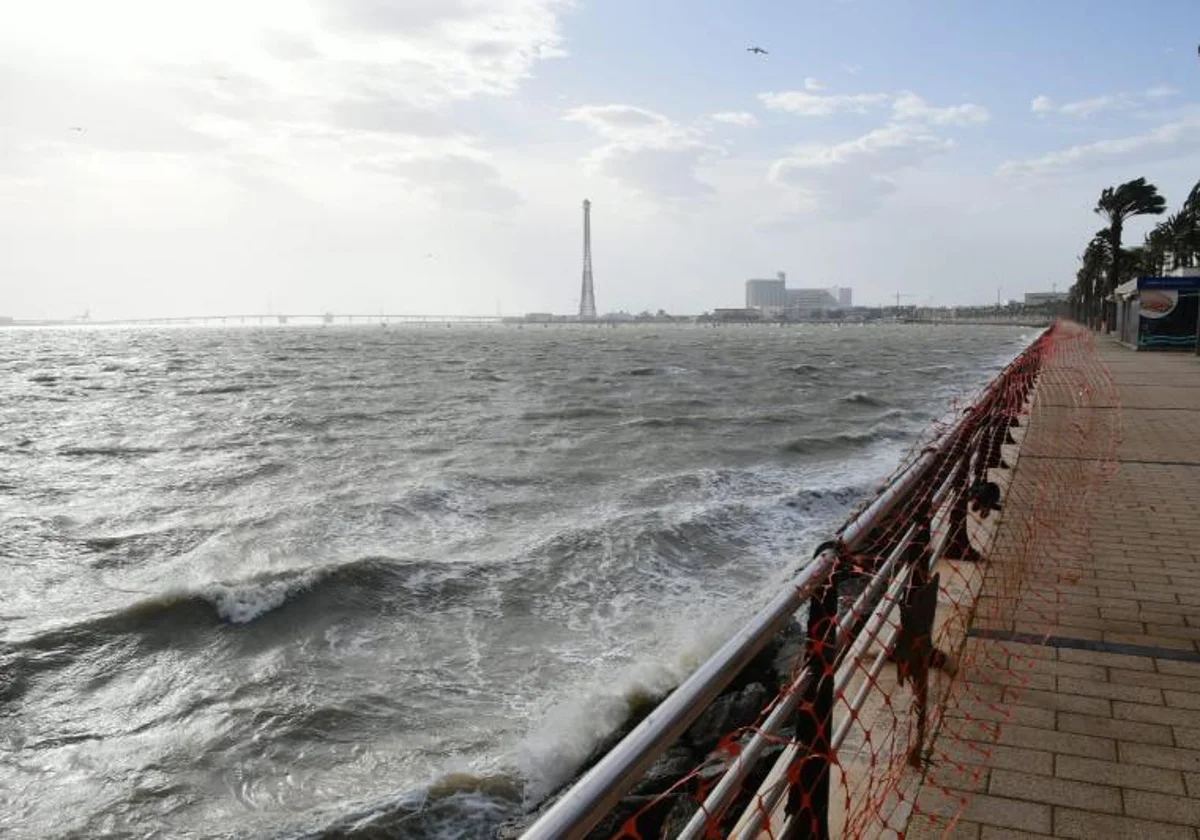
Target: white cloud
pixel 1161 92
pixel 740 118
pixel 851 178
pixel 883 149
pixel 814 105
pixel 906 106
pixel 1042 105
pixel 1088 107
pixel 347 81
pixel 909 106
pixel 628 123
pixel 646 151
pixel 1166 141
pixel 812 84
pixel 1084 108
pixel 465 180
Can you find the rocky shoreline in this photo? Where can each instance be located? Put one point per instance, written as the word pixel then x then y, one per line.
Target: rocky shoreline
pixel 667 796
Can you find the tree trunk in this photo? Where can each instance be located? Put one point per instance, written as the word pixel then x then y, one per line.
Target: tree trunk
pixel 1114 274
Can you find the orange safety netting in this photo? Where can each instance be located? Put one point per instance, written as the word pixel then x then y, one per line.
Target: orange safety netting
pixel 908 666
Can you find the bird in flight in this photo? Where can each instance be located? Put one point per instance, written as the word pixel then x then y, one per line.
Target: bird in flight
pixel 78 129
pixel 756 49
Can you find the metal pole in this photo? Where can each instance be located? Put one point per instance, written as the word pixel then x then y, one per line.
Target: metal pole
pixel 808 801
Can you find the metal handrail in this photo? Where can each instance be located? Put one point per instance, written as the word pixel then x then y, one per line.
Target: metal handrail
pixel 583 806
pixel 601 788
pixel 720 796
pixel 882 607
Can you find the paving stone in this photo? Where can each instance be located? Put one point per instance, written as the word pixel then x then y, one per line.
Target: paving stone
pixel 925 827
pixel 1187 737
pixel 1059 742
pixel 1099 706
pixel 1182 669
pixel 1113 691
pixel 1146 733
pixel 1162 807
pixel 1119 775
pixel 1182 699
pixel 1166 716
pixel 995 755
pixel 1055 791
pixel 1154 755
pixel 991 832
pixel 1086 825
pixel 1112 660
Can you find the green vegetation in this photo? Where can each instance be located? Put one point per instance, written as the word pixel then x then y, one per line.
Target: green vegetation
pixel 1104 264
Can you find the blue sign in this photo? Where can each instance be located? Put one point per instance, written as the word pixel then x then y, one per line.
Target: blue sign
pixel 1168 283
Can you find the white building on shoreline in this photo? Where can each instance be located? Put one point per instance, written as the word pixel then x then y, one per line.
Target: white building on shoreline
pixel 773 298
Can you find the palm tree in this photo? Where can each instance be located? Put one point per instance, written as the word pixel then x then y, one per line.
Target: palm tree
pixel 1089 278
pixel 1191 204
pixel 1157 246
pixel 1180 231
pixel 1116 204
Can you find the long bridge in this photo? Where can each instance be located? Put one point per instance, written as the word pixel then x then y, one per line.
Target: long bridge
pixel 384 319
pixel 264 319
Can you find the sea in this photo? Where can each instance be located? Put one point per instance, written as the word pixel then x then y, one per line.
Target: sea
pixel 316 582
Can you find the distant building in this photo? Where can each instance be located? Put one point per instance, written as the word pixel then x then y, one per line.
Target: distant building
pixel 1044 298
pixel 773 298
pixel 810 300
pixel 767 294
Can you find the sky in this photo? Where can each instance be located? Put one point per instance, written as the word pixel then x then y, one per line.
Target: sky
pixel 431 156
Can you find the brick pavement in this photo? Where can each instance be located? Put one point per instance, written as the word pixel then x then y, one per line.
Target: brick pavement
pixel 1081 715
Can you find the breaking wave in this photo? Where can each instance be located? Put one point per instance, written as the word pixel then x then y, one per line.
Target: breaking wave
pixel 862 398
pixel 844 441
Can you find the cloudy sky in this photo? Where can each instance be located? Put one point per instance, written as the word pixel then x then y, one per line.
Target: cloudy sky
pixel 430 156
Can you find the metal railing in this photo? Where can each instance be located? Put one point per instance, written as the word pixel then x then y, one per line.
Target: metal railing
pixel 897 524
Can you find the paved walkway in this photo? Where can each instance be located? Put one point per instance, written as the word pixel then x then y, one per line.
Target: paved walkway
pixel 1081 716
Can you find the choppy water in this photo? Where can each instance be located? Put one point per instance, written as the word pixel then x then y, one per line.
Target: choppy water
pixel 280 582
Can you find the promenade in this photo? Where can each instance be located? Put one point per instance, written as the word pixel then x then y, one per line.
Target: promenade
pixel 1079 706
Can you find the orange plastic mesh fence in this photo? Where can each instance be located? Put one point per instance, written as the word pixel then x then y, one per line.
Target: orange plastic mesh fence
pixel 898 697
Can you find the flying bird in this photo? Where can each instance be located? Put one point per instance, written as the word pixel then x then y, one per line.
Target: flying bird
pixel 78 129
pixel 756 49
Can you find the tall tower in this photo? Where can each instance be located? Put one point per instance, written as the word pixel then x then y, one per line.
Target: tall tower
pixel 587 298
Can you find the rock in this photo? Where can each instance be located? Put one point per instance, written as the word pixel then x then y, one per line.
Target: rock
pixel 648 810
pixel 676 763
pixel 678 817
pixel 788 648
pixel 727 713
pixel 513 829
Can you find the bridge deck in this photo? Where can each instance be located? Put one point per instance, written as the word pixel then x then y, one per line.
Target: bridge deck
pixel 1082 707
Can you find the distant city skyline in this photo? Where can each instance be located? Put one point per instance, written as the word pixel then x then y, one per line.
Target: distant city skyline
pixel 358 155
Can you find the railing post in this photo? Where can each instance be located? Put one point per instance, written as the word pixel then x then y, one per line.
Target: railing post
pixel 808 799
pixel 958 543
pixel 915 653
pixel 999 435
